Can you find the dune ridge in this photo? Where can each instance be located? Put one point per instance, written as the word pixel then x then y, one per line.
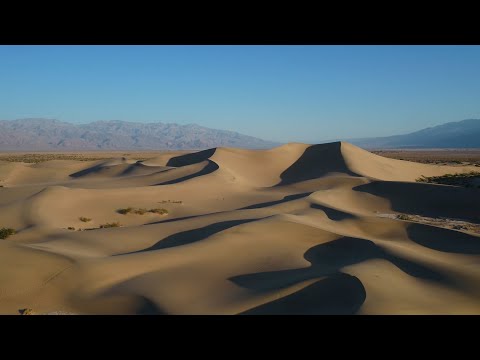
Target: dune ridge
pixel 296 229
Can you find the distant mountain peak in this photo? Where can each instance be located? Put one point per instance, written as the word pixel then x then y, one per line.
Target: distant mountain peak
pixel 456 134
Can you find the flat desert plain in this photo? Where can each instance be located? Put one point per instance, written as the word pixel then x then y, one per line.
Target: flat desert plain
pixel 297 229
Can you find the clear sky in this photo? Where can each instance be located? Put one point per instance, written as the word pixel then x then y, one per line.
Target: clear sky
pixel 282 93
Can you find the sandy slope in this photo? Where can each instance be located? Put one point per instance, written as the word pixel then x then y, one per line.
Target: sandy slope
pixel 294 229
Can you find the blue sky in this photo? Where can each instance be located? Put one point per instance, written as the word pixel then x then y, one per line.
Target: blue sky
pixel 282 93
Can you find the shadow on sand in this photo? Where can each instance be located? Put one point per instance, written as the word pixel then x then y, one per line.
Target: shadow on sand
pixel 276 202
pixel 191 158
pixel 91 170
pixel 316 161
pixel 191 236
pixel 333 214
pixel 148 307
pixel 339 293
pixel 445 240
pixel 427 199
pixel 208 169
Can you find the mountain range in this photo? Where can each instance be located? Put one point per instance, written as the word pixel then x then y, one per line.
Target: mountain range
pixel 48 134
pixel 459 134
pixel 52 135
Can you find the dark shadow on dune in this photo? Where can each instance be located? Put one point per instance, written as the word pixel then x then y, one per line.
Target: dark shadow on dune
pixel 316 161
pixel 138 304
pixel 144 169
pixel 333 214
pixel 185 218
pixel 191 236
pixel 181 218
pixel 209 168
pixel 275 202
pixel 339 294
pixel 148 307
pixel 131 168
pixel 128 169
pixel 90 170
pixel 427 199
pixel 446 240
pixel 327 260
pixel 192 158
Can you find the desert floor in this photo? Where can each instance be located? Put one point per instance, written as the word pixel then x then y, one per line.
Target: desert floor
pixel 298 229
pixel 434 156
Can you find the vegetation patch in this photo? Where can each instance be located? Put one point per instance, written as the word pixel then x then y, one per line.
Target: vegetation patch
pixel 38 158
pixel 142 211
pixel 110 225
pixel 42 157
pixel 170 202
pixel 27 311
pixel 404 217
pixel 472 225
pixel 159 211
pixel 458 179
pixel 71 228
pixel 125 211
pixel 84 219
pixel 439 157
pixel 6 232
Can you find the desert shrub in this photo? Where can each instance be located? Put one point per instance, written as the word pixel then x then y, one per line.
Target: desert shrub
pixel 404 217
pixel 6 232
pixel 422 179
pixel 125 211
pixel 84 219
pixel 159 211
pixel 71 228
pixel 27 311
pixel 140 211
pixel 37 158
pixel 110 225
pixel 459 179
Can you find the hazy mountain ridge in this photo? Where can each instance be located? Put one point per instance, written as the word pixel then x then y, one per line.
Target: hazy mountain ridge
pixel 49 134
pixel 459 134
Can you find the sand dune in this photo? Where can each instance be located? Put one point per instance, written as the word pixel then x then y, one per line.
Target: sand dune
pixel 297 229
